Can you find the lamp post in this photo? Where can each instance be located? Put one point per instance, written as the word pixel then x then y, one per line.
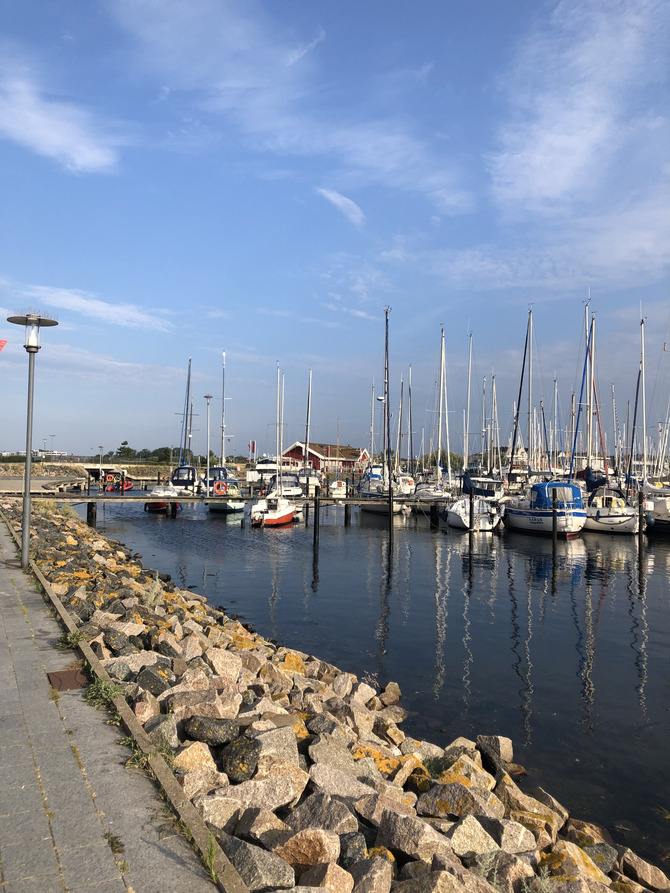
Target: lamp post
pixel 32 322
pixel 100 471
pixel 208 397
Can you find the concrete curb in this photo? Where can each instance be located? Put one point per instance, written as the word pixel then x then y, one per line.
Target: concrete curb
pixel 228 880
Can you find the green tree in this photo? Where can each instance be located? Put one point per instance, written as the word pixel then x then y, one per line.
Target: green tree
pixel 125 452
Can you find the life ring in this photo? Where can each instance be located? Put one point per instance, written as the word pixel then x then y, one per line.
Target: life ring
pixel 110 478
pixel 220 488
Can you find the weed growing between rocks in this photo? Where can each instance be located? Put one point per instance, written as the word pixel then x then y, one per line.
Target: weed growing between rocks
pixel 100 693
pixel 70 641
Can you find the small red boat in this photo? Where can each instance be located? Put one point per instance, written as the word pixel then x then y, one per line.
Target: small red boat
pixel 115 487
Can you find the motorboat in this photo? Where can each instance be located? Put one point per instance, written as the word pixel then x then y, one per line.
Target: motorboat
pixel 473 514
pixel 288 485
pixel 338 489
pixel 185 479
pixel 161 498
pixel 533 512
pixel 222 490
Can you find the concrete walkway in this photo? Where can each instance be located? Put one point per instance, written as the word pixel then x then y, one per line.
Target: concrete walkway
pixel 66 799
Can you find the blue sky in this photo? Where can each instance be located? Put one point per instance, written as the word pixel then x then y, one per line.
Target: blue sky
pixel 186 177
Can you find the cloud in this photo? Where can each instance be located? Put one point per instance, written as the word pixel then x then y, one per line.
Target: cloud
pixel 578 100
pixel 54 129
pixel 297 54
pixel 344 205
pixel 88 305
pixel 233 61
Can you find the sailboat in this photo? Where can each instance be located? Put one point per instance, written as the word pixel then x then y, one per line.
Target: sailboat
pixel 608 509
pixel 185 477
pixel 533 510
pixel 431 490
pixel 221 484
pixel 376 488
pixel 274 510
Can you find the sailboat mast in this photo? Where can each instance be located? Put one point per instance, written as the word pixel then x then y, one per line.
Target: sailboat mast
pixel 387 414
pixel 530 387
pixel 483 422
pixel 372 425
pixel 223 411
pixel 467 410
pixel 644 408
pixel 184 419
pixel 399 437
pixel 409 421
pixel 309 407
pixel 277 463
pixel 438 464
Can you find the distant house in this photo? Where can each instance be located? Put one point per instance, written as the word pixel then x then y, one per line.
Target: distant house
pixel 326 457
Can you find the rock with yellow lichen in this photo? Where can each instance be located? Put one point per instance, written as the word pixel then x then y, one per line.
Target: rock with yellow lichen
pixel 301 770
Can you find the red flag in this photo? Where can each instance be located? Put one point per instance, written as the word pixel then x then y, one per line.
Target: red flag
pixel 2 344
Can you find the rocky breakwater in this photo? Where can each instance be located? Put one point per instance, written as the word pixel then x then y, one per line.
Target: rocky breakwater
pixel 301 771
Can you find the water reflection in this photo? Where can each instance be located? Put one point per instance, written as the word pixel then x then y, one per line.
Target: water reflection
pixel 562 647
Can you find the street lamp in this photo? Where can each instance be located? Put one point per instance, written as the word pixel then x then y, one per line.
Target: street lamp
pixel 32 322
pixel 208 397
pixel 100 471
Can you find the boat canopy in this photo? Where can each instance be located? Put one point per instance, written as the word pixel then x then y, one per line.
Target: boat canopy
pixel 567 495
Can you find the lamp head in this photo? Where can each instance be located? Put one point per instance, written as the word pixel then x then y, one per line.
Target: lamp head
pixel 33 322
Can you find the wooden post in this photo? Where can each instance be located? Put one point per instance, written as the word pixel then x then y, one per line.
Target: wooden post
pixel 91 513
pixel 347 514
pixel 434 515
pixel 554 515
pixel 471 521
pixel 390 511
pixel 640 512
pixel 316 516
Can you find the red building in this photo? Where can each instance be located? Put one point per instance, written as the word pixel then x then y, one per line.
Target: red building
pixel 326 457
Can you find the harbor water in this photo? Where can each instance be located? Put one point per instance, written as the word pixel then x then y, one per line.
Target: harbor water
pixel 564 649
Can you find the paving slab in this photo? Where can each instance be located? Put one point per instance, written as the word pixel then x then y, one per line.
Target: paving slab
pixel 66 794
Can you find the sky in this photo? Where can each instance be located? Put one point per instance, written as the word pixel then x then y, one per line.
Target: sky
pixel 184 178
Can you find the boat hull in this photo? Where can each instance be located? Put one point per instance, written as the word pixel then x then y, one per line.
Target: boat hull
pixel 225 506
pixel 541 522
pixel 607 521
pixel 272 513
pixel 485 516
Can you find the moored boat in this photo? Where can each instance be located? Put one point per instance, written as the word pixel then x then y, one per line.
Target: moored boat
pixel 477 515
pixel 272 511
pixel 534 511
pixel 222 491
pixel 163 497
pixel 607 508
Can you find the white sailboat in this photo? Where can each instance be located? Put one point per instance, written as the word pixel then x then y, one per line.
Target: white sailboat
pixel 431 490
pixel 275 510
pixel 376 488
pixel 221 485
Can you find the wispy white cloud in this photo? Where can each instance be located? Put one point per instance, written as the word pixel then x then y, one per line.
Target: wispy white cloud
pixel 577 101
pixel 623 247
pixel 85 304
pixel 344 205
pixel 297 54
pixel 232 60
pixel 52 128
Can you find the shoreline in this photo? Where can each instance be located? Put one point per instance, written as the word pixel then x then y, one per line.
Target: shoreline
pixel 296 765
